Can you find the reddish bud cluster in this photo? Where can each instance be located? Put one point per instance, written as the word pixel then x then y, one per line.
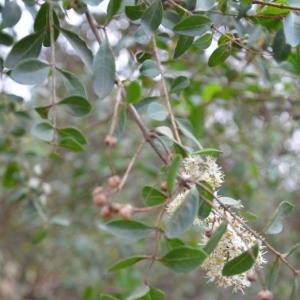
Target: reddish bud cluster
pixel 265 295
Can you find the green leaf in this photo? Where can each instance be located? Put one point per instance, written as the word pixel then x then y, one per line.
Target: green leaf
pixel 172 173
pixel 183 44
pixel 121 122
pixel 291 27
pixel 219 55
pixel 107 297
pixel 30 71
pixel 184 258
pixel 72 83
pixel 231 202
pixel 204 41
pixel 43 131
pixel 39 236
pixel 139 292
pixel 184 216
pixel 28 47
pixel 192 25
pixel 156 111
pixel 133 92
pixel 41 22
pixel 215 238
pixel 186 130
pixel 272 274
pixel 135 12
pixel 11 14
pixel 274 226
pixel 205 5
pixel 76 105
pixel 207 151
pixel 241 263
pixel 204 208
pixel 170 19
pixel 149 68
pixel 179 83
pixel 104 69
pixel 72 133
pixel 71 144
pixel 127 229
pixel 280 48
pixel 154 294
pixel 112 8
pixel 43 111
pixel 152 17
pixel 127 262
pixel 6 39
pixel 80 46
pixel 292 250
pixel 11 175
pixel 153 196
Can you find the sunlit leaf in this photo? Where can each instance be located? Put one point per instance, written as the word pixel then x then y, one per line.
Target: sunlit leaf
pixel 241 263
pixel 184 258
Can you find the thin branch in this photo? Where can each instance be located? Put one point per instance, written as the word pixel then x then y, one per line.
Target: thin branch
pixel 115 113
pixel 165 92
pixel 281 6
pixel 93 26
pixel 180 7
pixel 133 159
pixel 53 77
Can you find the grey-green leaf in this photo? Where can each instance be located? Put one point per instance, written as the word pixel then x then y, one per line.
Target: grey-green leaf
pixel 291 27
pixel 215 238
pixel 127 229
pixel 184 216
pixel 28 47
pixel 104 69
pixel 126 262
pixel 11 14
pixel 204 41
pixel 149 68
pixel 30 71
pixel 80 46
pixel 76 105
pixel 43 131
pixel 152 17
pixel 274 226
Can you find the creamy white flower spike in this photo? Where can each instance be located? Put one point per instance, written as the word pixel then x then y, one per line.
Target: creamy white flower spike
pixel 236 238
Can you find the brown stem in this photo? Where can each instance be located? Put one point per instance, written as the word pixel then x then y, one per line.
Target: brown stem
pixel 281 6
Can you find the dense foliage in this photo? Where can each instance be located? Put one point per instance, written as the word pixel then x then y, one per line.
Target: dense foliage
pixel 145 139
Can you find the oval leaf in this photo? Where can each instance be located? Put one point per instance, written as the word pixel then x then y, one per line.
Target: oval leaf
pixel 71 144
pixel 156 111
pixel 184 43
pixel 179 83
pixel 133 92
pixel 291 27
pixel 204 41
pixel 43 131
pixel 76 105
pixel 11 14
pixel 39 236
pixel 139 292
pixel 28 47
pixel 172 173
pixel 30 71
pixel 184 258
pixel 104 69
pixel 184 216
pixel 153 196
pixel 219 55
pixel 127 229
pixel 152 17
pixel 126 262
pixel 135 12
pixel 73 133
pixel 149 68
pixel 241 263
pixel 192 25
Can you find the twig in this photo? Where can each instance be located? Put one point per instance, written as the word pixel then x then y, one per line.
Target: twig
pixel 281 6
pixel 115 113
pixel 133 159
pixel 165 92
pixel 180 7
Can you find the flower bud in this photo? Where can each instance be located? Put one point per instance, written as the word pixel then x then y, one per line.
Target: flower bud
pixel 265 295
pixel 114 181
pixel 163 186
pixel 251 276
pixel 97 190
pixel 115 207
pixel 125 211
pixel 100 199
pixel 105 212
pixel 110 141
